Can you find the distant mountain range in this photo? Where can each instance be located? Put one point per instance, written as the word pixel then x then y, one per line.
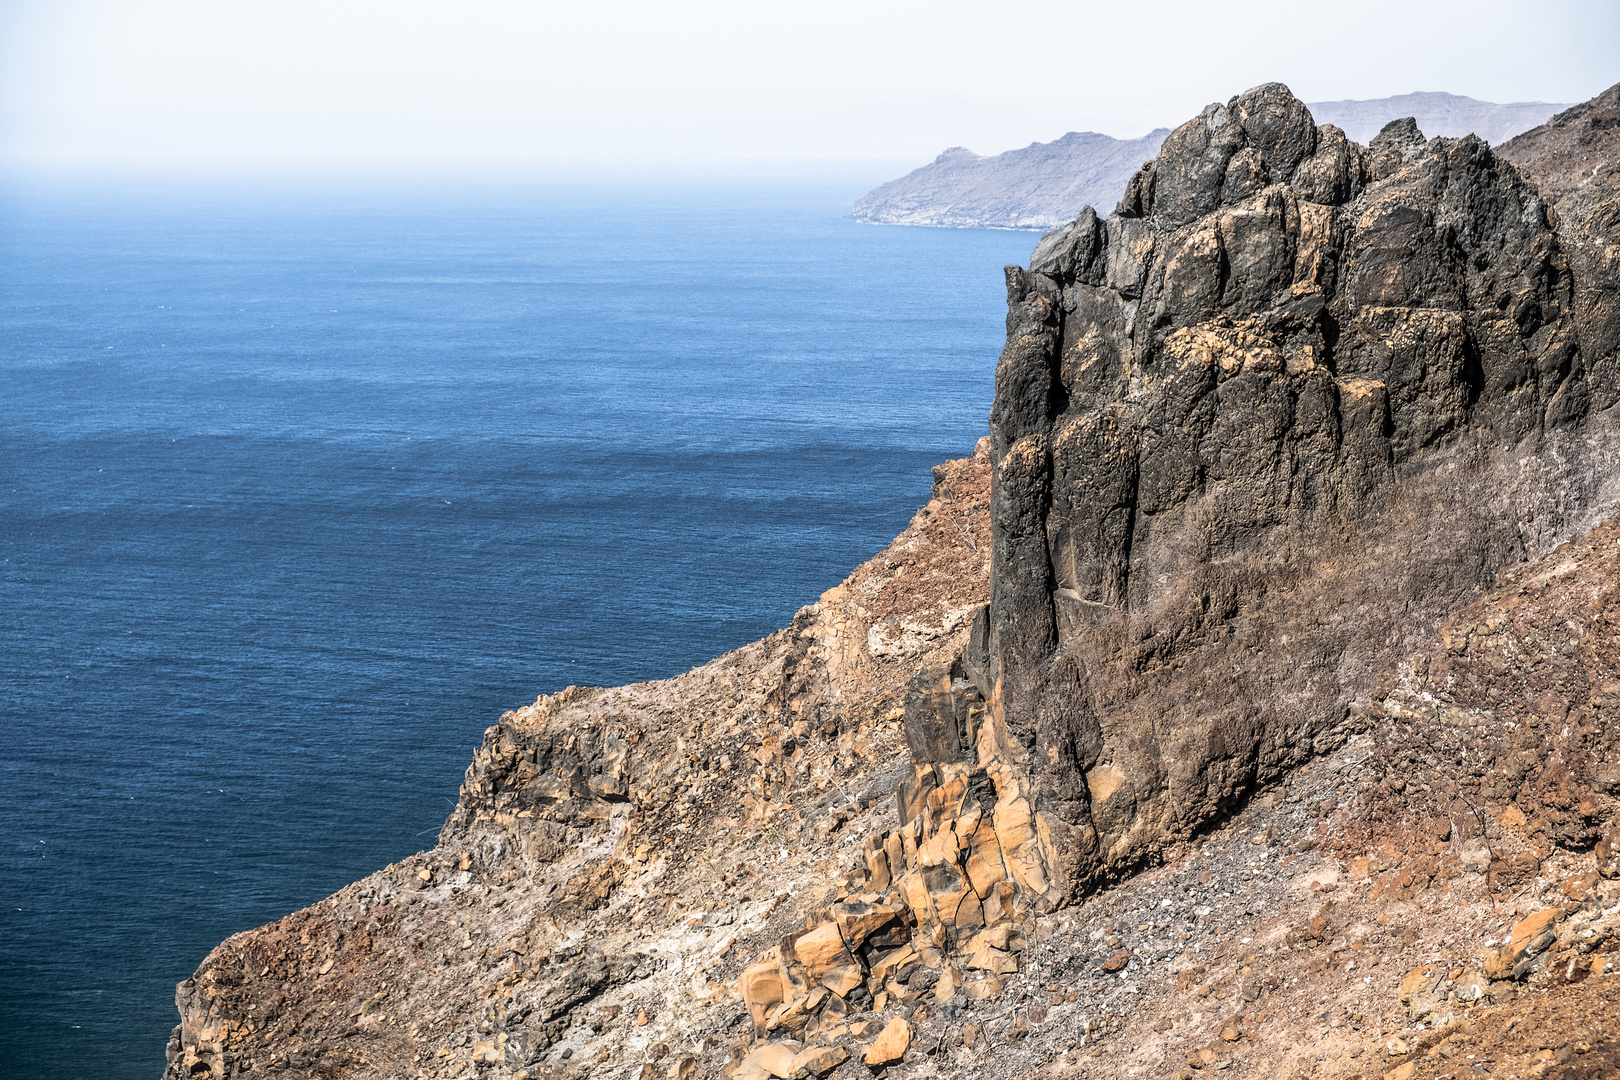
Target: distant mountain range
pixel 1045 185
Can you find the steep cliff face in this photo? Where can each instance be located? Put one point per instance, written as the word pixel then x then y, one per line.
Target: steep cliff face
pixel 1254 435
pixel 1575 161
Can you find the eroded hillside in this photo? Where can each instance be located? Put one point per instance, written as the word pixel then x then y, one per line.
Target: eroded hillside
pixel 1243 705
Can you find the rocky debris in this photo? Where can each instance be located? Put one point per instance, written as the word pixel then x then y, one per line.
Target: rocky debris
pixel 615 854
pixel 1608 855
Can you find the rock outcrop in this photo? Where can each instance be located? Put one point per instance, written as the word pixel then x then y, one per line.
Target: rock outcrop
pixel 1256 434
pixel 1247 699
pixel 1045 185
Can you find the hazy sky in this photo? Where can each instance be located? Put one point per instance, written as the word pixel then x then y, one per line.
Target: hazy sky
pixel 483 84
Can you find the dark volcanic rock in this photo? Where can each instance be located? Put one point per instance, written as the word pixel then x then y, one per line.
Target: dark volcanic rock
pixel 1575 160
pixel 1255 434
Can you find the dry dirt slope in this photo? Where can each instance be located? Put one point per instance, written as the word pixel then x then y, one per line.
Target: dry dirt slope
pixel 604 935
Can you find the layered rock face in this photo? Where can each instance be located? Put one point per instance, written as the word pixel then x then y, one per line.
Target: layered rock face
pixel 1254 435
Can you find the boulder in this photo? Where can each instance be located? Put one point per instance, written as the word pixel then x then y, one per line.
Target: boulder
pixel 818 950
pixel 890 1045
pixel 772 1059
pixel 1422 989
pixel 857 921
pixel 762 986
pixel 817 1060
pixel 1531 937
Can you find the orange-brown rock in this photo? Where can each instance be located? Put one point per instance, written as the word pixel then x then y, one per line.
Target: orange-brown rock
pixel 818 1060
pixel 1531 937
pixel 890 1045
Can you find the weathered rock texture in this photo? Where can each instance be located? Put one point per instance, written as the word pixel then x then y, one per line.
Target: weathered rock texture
pixel 1575 161
pixel 1282 457
pixel 1255 435
pixel 1045 185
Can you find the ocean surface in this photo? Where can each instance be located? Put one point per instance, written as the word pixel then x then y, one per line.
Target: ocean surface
pixel 301 487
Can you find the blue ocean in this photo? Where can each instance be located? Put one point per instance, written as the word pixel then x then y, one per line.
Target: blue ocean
pixel 300 487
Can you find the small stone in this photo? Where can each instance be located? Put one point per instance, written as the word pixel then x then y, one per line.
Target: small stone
pixel 890 1045
pixel 1397 1047
pixel 641 1019
pixel 842 979
pixel 1117 962
pixel 1402 1072
pixel 1231 1033
pixel 987 987
pixel 773 1059
pixel 1471 986
pixel 970 1034
pixel 818 1060
pixel 1608 855
pixel 994 961
pixel 1577 887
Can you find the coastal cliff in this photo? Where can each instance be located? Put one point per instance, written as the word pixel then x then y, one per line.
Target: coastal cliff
pixel 1256 435
pixel 1045 185
pixel 1245 700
